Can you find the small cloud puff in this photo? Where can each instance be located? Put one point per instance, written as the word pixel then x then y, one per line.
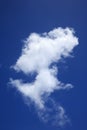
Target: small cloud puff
pixel 38 55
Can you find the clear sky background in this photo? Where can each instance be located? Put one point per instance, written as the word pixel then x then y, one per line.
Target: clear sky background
pixel 19 18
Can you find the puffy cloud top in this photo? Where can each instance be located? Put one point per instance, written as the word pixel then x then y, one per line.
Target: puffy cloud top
pixel 42 50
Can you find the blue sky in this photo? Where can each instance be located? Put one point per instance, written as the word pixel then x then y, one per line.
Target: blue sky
pixel 17 20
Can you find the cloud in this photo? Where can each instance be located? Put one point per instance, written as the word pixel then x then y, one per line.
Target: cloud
pixel 39 55
pixel 53 114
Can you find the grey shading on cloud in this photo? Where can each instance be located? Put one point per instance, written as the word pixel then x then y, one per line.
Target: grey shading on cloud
pixel 38 54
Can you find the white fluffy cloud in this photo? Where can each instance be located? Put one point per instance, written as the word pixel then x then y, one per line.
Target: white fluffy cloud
pixel 38 55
